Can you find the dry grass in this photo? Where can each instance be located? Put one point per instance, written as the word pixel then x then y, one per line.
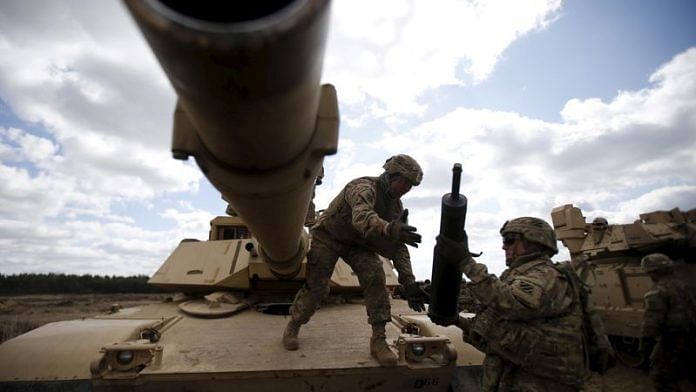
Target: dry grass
pixel 21 314
pixel 9 329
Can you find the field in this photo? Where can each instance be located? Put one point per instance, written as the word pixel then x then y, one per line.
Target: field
pixel 19 314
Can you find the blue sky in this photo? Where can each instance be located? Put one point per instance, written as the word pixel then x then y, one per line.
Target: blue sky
pixel 544 103
pixel 593 49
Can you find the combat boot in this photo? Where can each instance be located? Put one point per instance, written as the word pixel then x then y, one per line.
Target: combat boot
pixel 379 348
pixel 290 335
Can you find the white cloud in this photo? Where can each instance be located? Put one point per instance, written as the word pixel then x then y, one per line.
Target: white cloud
pixel 102 99
pixel 96 247
pixel 670 96
pixel 104 109
pixel 192 221
pixel 392 54
pixel 96 117
pixel 666 198
pixel 37 150
pixel 616 159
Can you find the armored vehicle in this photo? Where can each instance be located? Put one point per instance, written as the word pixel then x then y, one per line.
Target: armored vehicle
pixel 607 256
pixel 223 331
pixel 252 113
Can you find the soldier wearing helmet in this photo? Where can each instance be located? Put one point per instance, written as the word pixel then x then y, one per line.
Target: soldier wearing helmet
pixel 657 265
pixel 365 219
pixel 404 166
pixel 531 324
pixel 668 330
pixel 599 226
pixel 534 235
pixel 600 221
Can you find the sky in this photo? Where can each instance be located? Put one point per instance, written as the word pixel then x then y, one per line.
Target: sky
pixel 543 102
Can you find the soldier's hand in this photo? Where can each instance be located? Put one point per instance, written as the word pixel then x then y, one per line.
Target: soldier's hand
pixel 451 250
pixel 416 297
pixel 402 232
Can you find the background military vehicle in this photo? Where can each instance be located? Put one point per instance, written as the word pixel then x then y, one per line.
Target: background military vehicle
pixel 607 256
pixel 253 115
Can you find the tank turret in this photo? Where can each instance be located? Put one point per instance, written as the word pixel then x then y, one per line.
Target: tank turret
pixel 607 256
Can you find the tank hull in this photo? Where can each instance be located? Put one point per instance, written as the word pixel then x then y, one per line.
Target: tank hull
pixel 241 352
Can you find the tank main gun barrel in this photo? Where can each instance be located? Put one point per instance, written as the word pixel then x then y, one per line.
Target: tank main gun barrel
pixel 250 108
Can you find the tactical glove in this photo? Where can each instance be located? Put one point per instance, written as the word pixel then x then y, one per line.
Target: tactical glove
pixel 451 250
pixel 416 297
pixel 402 232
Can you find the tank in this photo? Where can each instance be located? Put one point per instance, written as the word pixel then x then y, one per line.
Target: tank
pixel 252 113
pixel 607 257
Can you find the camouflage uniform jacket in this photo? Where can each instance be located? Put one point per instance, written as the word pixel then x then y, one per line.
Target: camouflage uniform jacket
pixel 665 308
pixel 358 216
pixel 532 318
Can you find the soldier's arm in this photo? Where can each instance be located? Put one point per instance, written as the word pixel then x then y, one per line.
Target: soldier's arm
pixel 360 195
pixel 523 298
pixel 655 313
pixel 402 263
pixel 402 258
pixel 598 326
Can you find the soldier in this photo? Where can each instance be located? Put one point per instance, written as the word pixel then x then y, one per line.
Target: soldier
pixel 666 326
pixel 531 325
pixel 600 226
pixel 366 218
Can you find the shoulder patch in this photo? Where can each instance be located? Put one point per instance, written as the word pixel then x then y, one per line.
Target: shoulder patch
pixel 527 290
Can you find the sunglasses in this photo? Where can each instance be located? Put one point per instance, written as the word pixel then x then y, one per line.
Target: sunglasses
pixel 510 239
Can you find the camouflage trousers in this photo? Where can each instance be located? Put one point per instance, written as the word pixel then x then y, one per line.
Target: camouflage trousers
pixel 502 376
pixel 322 258
pixel 671 364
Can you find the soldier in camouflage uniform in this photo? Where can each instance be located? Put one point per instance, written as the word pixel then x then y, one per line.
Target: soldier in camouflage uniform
pixel 531 325
pixel 364 220
pixel 666 326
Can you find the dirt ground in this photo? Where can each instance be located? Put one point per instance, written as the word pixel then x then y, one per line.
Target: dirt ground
pixel 620 378
pixel 19 314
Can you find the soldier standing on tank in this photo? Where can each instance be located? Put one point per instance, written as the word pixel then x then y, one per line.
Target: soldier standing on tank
pixel 364 219
pixel 666 326
pixel 531 325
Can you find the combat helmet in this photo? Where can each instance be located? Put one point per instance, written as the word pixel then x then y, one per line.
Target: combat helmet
pixel 600 221
pixel 533 230
pixel 406 166
pixel 656 262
